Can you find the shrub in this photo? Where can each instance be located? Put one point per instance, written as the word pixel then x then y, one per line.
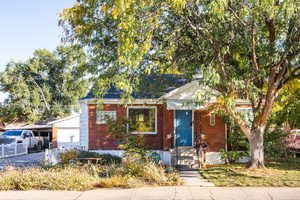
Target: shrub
pixel 274 143
pixel 151 173
pixel 232 156
pixel 67 157
pixel 154 174
pixel 106 159
pixel 130 143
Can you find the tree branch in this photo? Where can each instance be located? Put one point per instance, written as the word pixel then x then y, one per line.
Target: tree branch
pixel 243 126
pixel 253 47
pixel 236 16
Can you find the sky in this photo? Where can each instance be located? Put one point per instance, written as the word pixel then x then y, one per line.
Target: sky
pixel 27 25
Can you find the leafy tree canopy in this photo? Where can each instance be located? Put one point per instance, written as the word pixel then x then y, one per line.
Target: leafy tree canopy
pixel 246 49
pixel 46 85
pixel 286 111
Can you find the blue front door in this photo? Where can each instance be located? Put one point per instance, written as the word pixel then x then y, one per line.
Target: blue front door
pixel 183 127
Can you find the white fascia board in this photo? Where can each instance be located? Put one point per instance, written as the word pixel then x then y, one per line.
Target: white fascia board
pixel 64 119
pixel 119 101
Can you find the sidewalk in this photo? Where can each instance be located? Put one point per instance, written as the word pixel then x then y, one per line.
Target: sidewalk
pixel 193 178
pixel 161 193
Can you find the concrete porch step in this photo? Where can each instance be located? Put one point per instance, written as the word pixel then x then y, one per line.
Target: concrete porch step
pixel 184 157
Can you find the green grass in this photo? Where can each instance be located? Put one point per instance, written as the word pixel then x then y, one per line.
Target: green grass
pixel 277 174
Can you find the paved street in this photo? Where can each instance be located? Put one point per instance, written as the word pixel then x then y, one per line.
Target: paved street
pixel 27 160
pixel 161 193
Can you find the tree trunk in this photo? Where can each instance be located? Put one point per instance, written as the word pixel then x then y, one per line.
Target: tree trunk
pixel 257 149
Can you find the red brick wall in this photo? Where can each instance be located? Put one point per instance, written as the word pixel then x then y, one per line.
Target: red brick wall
pixel 168 128
pixel 99 138
pixel 214 135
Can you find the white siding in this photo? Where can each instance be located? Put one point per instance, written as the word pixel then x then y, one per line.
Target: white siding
pixel 84 125
pixel 214 158
pixel 68 137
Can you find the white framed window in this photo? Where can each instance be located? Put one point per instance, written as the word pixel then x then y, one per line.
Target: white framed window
pixel 212 119
pixel 102 115
pixel 142 120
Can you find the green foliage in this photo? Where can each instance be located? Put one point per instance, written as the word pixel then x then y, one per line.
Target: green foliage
pixel 232 156
pixel 72 155
pixel 67 157
pixel 274 143
pixel 130 143
pixel 287 108
pixel 236 140
pixel 46 85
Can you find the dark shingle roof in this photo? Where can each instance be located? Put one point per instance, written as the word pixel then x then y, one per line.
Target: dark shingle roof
pixel 151 87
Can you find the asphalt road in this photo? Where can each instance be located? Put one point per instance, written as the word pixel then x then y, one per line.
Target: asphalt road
pixel 28 160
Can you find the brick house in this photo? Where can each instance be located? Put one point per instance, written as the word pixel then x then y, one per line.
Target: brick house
pixel 169 119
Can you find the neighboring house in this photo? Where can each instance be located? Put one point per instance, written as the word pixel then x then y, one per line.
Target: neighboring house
pixel 170 120
pixel 62 133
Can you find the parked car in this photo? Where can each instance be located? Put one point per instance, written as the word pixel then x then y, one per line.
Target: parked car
pixel 22 136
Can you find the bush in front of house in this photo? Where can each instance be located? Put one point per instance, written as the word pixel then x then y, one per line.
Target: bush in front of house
pixel 232 156
pixel 73 155
pixel 275 145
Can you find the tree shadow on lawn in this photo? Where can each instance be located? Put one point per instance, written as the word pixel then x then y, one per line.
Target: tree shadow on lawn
pixel 284 164
pixel 225 172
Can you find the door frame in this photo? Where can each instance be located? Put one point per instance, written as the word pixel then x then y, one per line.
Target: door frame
pixel 174 124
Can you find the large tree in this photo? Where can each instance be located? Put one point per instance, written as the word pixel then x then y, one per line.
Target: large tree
pixel 246 49
pixel 46 85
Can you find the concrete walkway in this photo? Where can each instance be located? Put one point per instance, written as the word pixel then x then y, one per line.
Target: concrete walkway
pixel 193 178
pixel 161 193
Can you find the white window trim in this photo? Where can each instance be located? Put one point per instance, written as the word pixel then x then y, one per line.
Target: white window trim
pixel 104 121
pixel 212 119
pixel 145 107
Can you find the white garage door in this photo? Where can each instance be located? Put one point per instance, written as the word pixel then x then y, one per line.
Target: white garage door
pixel 68 138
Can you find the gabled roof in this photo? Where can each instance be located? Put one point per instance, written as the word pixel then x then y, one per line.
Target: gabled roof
pixel 152 87
pixel 48 123
pixel 188 92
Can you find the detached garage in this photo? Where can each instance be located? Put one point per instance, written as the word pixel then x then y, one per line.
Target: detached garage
pixel 65 132
pixel 61 133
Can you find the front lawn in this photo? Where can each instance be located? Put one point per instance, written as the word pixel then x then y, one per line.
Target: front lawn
pixel 277 174
pixel 69 175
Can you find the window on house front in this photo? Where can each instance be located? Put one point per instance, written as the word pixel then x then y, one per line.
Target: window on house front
pixel 103 115
pixel 142 120
pixel 212 119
